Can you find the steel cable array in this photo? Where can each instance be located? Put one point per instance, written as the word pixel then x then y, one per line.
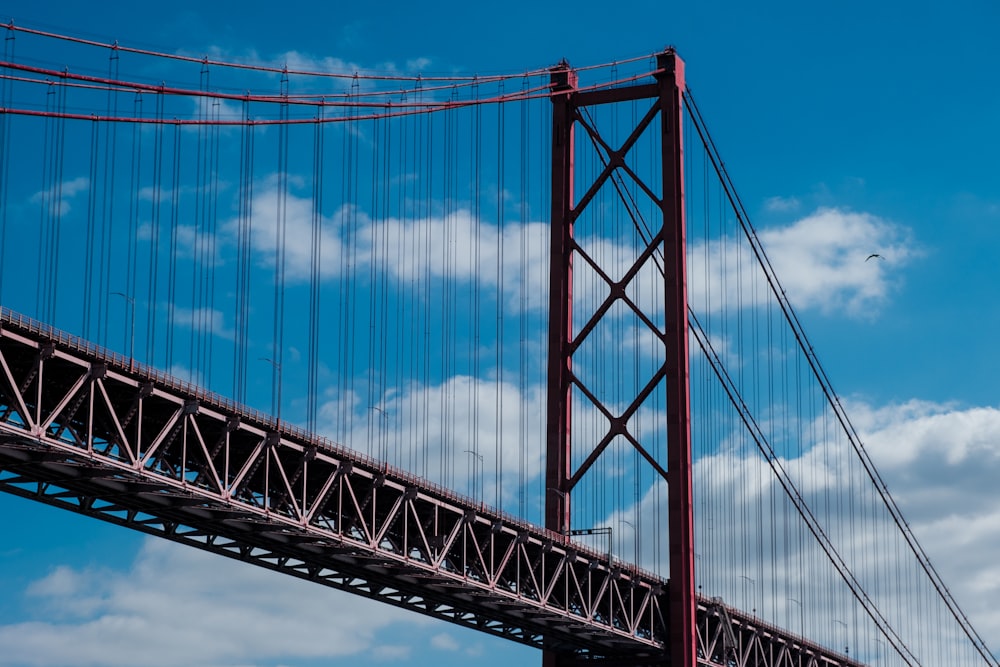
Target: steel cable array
pixel 376 245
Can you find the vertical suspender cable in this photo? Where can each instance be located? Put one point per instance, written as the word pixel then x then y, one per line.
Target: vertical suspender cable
pixel 57 209
pixel 352 303
pixel 476 144
pixel 426 219
pixel 281 221
pixel 404 319
pixel 244 241
pixel 501 141
pixel 384 186
pixel 91 250
pixel 522 279
pixel 211 321
pixel 154 233
pixel 44 213
pixel 448 169
pixel 107 204
pixel 172 272
pixel 372 353
pixel 380 187
pixel 342 315
pixel 133 222
pixel 5 150
pixel 201 193
pixel 315 269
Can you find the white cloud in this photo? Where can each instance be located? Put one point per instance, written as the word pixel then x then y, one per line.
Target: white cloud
pixel 191 243
pixel 166 193
pixel 450 245
pixel 211 320
pixel 187 374
pixel 418 64
pixel 293 60
pixel 215 109
pixel 819 259
pixel 300 62
pixel 296 61
pixel 445 642
pixel 430 430
pixel 177 605
pixel 941 463
pixel 782 204
pixel 57 195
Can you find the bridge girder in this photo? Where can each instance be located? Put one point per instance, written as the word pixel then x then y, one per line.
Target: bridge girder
pixel 89 431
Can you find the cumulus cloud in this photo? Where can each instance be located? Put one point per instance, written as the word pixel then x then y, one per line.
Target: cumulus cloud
pixel 177 605
pixel 212 320
pixel 301 62
pixel 57 196
pixel 297 61
pixel 446 245
pixel 215 109
pixel 781 204
pixel 939 461
pixel 819 259
pixel 444 642
pixel 460 433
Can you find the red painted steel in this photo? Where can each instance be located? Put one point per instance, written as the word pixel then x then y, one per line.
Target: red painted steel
pixel 558 415
pixel 679 499
pixel 558 425
pixel 667 94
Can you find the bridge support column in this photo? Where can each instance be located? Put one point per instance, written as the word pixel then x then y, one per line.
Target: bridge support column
pixel 668 241
pixel 557 464
pixel 680 505
pixel 557 461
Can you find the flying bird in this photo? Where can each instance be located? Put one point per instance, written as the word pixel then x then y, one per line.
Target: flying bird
pixel 874 254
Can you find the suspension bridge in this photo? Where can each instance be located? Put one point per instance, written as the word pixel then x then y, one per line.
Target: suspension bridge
pixel 503 350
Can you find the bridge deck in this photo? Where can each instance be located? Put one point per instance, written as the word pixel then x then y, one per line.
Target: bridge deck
pixel 88 430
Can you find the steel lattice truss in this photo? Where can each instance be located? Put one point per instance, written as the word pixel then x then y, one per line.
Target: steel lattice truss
pixel 84 430
pixel 728 637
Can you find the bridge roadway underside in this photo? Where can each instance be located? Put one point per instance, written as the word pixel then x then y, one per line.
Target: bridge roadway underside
pixel 88 431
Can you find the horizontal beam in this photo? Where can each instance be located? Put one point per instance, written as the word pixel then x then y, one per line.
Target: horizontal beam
pixel 589 98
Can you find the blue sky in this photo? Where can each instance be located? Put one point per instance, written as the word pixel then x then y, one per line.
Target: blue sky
pixel 882 111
